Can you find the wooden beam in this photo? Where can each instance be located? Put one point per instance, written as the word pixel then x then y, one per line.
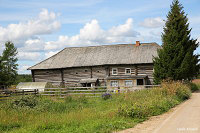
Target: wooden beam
pixel 91 73
pixel 136 70
pixel 108 69
pixel 33 75
pixel 62 76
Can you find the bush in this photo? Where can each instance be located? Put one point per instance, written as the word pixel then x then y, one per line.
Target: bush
pixel 24 101
pixel 106 96
pixel 193 87
pixel 183 93
pixel 145 103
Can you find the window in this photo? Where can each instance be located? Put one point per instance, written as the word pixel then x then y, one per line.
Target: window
pixel 114 71
pixel 86 70
pixel 128 83
pixel 140 82
pixel 114 83
pixel 128 71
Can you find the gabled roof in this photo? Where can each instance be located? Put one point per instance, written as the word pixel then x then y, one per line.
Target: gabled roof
pixel 100 55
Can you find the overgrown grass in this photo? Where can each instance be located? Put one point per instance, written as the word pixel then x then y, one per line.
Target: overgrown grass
pixel 197 83
pixel 82 114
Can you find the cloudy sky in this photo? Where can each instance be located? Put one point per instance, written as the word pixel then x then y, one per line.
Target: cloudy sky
pixel 40 28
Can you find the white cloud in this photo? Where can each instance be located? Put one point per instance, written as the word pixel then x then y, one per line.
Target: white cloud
pixel 152 22
pixel 23 69
pixel 34 56
pixel 32 45
pixel 51 53
pixel 198 39
pixel 46 23
pixel 93 34
pixel 124 30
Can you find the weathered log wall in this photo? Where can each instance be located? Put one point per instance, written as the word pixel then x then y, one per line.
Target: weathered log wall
pixel 146 70
pixel 72 76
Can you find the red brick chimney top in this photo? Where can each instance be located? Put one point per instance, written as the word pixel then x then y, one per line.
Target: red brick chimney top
pixel 137 43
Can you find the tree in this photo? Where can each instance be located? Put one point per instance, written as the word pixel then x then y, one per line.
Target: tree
pixel 8 65
pixel 176 60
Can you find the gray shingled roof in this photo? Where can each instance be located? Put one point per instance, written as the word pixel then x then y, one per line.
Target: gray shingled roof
pixel 100 55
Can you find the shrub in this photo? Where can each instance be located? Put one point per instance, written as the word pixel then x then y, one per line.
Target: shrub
pixel 196 82
pixel 183 92
pixel 194 87
pixel 106 96
pixel 24 101
pixel 144 103
pixel 177 89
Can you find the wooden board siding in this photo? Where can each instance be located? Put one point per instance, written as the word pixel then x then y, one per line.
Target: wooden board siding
pixel 47 76
pixel 146 70
pixel 101 73
pixel 76 74
pixel 72 76
pixel 121 70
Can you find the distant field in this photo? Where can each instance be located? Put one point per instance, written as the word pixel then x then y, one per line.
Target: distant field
pixel 80 114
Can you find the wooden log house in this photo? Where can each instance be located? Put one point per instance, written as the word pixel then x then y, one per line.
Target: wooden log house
pixel 105 65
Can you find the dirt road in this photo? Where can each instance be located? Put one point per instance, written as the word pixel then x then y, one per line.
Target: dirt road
pixel 185 118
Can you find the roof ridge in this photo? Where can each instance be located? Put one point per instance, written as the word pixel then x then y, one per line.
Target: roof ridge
pixel 110 45
pixel 46 59
pixel 51 60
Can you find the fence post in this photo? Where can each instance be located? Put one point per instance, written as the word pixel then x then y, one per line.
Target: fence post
pixel 35 91
pixel 23 92
pixel 60 93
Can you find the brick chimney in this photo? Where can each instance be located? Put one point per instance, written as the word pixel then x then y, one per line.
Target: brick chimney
pixel 137 43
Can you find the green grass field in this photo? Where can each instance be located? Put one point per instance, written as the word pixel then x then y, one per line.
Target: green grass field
pixel 80 114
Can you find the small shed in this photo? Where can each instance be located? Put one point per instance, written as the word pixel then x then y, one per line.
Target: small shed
pixel 32 85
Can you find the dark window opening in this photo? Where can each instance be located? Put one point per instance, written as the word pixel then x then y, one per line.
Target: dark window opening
pixel 140 82
pixel 128 71
pixel 86 84
pixel 76 73
pixel 98 71
pixel 86 70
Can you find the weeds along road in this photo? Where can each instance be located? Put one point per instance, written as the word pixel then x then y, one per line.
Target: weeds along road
pixel 185 118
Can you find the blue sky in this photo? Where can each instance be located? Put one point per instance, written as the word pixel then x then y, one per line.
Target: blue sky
pixel 39 29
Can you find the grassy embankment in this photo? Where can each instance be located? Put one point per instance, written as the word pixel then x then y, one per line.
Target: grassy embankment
pixel 81 114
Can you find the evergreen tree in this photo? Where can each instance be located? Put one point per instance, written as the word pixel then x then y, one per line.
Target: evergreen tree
pixel 1 73
pixel 8 65
pixel 176 60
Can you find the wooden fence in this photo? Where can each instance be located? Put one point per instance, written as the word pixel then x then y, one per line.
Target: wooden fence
pixel 62 92
pixel 8 93
pixel 92 91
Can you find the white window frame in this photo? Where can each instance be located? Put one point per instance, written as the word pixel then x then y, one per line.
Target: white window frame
pixel 117 83
pixel 113 71
pixel 126 69
pixel 128 81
